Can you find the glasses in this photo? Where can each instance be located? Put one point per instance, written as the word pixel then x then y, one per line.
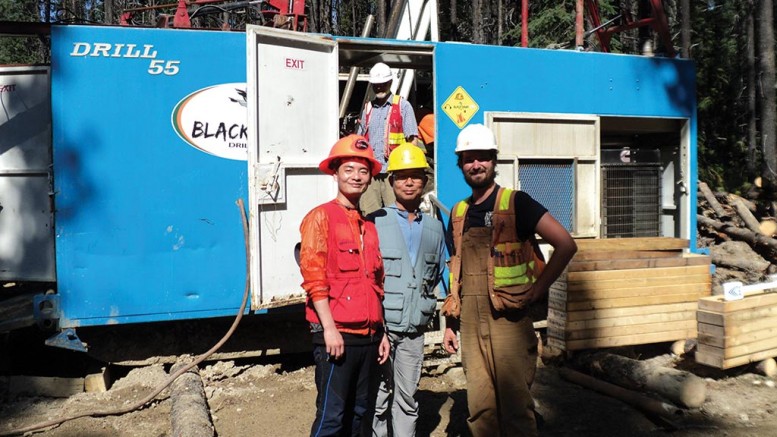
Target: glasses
pixel 417 177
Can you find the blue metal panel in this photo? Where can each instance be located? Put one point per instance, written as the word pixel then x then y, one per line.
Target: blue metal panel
pixel 558 197
pixel 146 225
pixel 558 81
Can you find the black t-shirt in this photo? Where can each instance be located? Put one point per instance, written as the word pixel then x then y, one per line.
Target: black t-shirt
pixel 527 211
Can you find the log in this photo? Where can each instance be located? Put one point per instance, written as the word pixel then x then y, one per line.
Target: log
pixel 768 227
pixel 189 413
pixel 738 254
pixel 714 204
pixel 682 347
pixel 754 239
pixel 682 388
pixel 747 203
pixel 767 367
pixel 635 399
pixel 744 213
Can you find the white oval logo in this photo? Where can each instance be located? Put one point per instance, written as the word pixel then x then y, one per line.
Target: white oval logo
pixel 213 120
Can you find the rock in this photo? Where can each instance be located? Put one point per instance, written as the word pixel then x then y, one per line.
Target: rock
pixel 149 376
pixel 455 376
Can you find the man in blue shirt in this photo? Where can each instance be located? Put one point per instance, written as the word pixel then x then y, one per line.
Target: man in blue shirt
pixel 412 247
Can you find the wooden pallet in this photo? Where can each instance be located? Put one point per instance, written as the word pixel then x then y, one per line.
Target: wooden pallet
pixel 738 332
pixel 619 292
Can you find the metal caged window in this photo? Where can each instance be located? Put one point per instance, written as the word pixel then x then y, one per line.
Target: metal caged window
pixel 631 193
pixel 552 183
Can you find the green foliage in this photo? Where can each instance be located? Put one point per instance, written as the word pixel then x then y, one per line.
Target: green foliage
pixel 719 50
pixel 21 49
pixel 553 24
pixel 461 29
pixel 352 15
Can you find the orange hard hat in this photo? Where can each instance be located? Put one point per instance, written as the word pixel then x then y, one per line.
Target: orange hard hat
pixel 426 129
pixel 352 146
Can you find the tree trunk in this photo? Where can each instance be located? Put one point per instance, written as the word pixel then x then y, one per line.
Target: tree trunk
pixel 500 22
pixel 380 17
pixel 355 26
pixel 712 200
pixel 638 400
pixel 683 388
pixel 189 412
pixel 488 22
pixel 313 13
pixel 768 101
pixel 108 12
pixel 477 22
pixel 739 255
pixel 685 28
pixel 753 239
pixel 744 212
pixel 752 115
pixel 454 21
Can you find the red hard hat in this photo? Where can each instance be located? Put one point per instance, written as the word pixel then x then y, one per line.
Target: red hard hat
pixel 352 146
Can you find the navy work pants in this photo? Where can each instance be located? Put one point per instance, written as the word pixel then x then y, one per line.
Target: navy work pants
pixel 346 390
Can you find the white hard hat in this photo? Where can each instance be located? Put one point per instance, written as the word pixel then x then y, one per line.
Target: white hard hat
pixel 380 73
pixel 476 137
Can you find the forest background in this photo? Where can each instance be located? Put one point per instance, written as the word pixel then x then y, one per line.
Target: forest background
pixel 731 42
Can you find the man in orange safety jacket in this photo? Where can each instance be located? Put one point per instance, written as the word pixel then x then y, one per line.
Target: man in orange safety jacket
pixel 342 272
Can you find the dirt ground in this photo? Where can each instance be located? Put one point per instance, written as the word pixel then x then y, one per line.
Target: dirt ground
pixel 276 398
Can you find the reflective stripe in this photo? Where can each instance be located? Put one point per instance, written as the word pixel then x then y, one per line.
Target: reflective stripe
pixel 515 275
pixel 507 248
pixel 394 129
pixel 396 138
pixel 461 208
pixel 504 199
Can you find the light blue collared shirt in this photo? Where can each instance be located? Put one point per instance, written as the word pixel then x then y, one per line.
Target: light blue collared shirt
pixel 411 231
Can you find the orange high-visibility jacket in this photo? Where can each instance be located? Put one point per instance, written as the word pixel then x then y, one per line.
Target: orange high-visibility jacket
pixel 340 261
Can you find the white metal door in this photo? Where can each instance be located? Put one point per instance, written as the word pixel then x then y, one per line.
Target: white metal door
pixel 26 217
pixel 293 122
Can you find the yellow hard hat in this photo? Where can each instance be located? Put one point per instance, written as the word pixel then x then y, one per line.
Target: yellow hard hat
pixel 406 156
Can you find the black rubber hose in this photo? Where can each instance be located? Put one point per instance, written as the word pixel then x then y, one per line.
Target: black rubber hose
pixel 141 403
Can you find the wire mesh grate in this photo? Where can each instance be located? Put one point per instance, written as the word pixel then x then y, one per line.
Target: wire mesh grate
pixel 631 204
pixel 551 183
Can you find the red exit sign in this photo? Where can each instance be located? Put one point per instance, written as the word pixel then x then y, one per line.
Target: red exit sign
pixel 295 64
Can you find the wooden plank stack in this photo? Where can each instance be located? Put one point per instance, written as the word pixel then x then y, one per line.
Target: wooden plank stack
pixel 737 332
pixel 619 292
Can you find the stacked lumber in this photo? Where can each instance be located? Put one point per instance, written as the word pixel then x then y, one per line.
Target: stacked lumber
pixel 737 332
pixel 619 292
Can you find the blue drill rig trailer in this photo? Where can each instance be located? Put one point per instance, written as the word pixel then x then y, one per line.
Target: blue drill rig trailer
pixel 128 152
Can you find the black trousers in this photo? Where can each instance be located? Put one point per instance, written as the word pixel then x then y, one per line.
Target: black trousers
pixel 346 391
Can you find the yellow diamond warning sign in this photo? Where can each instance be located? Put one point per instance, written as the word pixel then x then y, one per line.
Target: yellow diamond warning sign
pixel 460 107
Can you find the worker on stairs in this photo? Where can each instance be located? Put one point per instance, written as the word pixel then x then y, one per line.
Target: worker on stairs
pixel 386 121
